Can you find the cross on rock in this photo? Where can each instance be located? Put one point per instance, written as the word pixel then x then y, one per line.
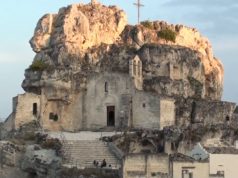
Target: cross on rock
pixel 139 5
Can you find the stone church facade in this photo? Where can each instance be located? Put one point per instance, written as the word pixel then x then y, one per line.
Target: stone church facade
pixel 108 100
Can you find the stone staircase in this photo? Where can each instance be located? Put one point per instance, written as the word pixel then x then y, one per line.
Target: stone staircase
pixel 82 153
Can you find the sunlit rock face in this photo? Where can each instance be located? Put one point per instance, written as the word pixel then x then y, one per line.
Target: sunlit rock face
pixel 93 38
pixel 187 37
pixel 78 27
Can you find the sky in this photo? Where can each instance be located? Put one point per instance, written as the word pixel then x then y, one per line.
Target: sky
pixel 215 19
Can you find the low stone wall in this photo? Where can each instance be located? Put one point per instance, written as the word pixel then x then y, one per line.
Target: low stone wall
pixel 115 150
pixel 6 126
pixel 89 172
pixel 9 125
pixel 143 165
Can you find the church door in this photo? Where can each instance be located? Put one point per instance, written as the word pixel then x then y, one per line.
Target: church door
pixel 110 116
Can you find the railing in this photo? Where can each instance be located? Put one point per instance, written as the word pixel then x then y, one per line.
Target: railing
pixel 116 151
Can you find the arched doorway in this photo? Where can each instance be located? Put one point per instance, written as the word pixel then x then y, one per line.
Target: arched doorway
pixel 110 116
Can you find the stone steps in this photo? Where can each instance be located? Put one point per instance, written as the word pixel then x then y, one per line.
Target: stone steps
pixel 82 153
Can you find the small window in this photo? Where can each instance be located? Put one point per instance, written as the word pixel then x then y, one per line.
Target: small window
pixel 153 174
pixel 227 118
pixel 143 105
pixel 34 110
pixel 220 173
pixel 187 174
pixel 106 87
pixel 53 117
pixel 134 67
pixel 56 117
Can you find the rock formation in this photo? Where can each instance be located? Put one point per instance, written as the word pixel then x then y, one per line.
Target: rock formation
pixel 186 37
pixel 40 162
pixel 89 60
pixel 95 38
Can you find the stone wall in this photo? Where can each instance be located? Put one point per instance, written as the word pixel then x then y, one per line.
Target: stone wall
pixel 62 115
pixel 141 165
pixel 151 111
pixel 107 90
pixel 23 108
pixel 167 112
pixel 212 112
pixel 190 110
pixel 9 123
pixel 88 109
pixel 146 110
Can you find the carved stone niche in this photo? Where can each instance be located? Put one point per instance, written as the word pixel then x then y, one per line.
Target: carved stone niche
pixel 135 71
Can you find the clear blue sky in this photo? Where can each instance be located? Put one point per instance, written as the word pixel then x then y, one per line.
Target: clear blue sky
pixel 216 19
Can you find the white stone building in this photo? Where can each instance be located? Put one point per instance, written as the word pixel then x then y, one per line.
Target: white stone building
pixel 222 160
pixel 186 167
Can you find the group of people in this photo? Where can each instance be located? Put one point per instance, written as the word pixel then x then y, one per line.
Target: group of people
pixel 103 163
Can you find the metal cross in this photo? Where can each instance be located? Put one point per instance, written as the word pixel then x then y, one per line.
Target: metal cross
pixel 139 5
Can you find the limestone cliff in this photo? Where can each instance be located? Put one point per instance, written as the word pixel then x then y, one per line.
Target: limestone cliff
pixel 147 33
pixel 93 38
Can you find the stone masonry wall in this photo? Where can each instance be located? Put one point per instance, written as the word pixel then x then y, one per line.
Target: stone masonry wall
pixel 167 112
pixel 146 110
pixel 61 114
pixel 141 165
pixel 24 108
pixel 104 90
pixel 152 111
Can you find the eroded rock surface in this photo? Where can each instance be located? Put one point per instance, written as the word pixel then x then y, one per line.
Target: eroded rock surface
pixel 83 39
pixel 78 27
pixel 137 36
pixel 41 162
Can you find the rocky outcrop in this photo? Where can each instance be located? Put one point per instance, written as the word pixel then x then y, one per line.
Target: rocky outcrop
pixel 78 27
pixel 169 71
pixel 147 33
pixel 82 39
pixel 40 162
